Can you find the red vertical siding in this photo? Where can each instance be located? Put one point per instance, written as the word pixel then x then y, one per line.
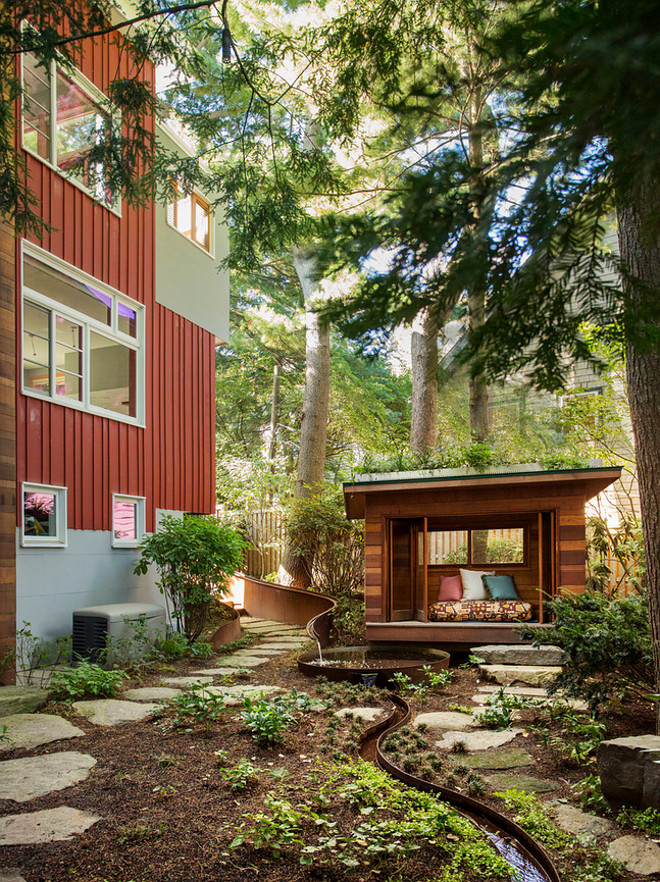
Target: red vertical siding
pixel 171 460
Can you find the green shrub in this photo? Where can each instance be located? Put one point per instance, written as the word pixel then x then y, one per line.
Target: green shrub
pixel 646 820
pixel 87 680
pixel 197 705
pixel 530 813
pixel 607 643
pixel 267 720
pixel 195 557
pixel 241 775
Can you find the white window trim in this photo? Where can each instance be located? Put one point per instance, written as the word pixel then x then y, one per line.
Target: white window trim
pixel 211 249
pixel 94 94
pixel 60 538
pixel 140 520
pixel 89 324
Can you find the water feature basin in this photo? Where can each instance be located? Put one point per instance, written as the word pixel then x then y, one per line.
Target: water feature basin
pixel 357 663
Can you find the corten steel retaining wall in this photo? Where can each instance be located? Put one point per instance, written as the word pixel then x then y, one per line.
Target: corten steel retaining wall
pixel 279 603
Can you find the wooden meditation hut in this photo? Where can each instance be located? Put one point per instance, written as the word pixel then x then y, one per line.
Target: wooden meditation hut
pixel 432 538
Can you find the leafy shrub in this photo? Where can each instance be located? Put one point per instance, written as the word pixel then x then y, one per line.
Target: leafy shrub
pixel 579 738
pixel 318 531
pixel 241 775
pixel 591 796
pixel 607 643
pixel 32 652
pixel 437 680
pixel 624 544
pixel 530 813
pixel 647 820
pixel 175 645
pixel 195 557
pixel 87 680
pixel 267 720
pixel 197 705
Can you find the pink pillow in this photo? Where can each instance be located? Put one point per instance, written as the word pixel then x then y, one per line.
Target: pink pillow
pixel 451 588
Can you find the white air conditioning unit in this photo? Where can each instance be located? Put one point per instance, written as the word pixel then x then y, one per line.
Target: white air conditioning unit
pixel 122 627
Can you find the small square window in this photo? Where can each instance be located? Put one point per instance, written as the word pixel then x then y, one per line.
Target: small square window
pixel 127 520
pixel 43 516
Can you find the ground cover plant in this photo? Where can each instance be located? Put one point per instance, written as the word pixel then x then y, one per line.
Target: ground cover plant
pixel 174 794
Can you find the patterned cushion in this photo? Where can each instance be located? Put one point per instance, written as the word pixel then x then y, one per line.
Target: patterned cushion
pixel 480 611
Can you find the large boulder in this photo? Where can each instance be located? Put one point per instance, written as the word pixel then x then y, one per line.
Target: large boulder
pixel 21 699
pixel 623 765
pixel 519 654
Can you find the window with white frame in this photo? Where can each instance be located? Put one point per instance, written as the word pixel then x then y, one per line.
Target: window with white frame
pixel 64 115
pixel 127 520
pixel 43 519
pixel 82 341
pixel 191 216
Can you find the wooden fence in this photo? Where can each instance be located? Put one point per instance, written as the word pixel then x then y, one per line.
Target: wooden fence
pixel 265 530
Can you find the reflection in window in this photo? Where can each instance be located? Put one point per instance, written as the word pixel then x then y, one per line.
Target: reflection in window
pixel 447 547
pixel 43 515
pixel 498 546
pixel 127 520
pixel 80 344
pixel 65 133
pixel 111 375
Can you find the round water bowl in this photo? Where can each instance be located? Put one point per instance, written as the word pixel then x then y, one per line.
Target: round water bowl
pixel 362 664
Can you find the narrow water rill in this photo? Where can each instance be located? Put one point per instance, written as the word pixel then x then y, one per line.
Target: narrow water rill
pixel 529 861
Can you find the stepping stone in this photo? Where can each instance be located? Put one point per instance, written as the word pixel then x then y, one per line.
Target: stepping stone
pixel 187 682
pixel 366 714
pixel 519 654
pixel 285 644
pixel 111 711
pixel 261 650
pixel 481 740
pixel 25 779
pixel 205 673
pixel 151 693
pixel 527 783
pixel 51 825
pixel 446 720
pixel 638 855
pixel 521 675
pixel 11 875
pixel 234 695
pixel 481 698
pixel 508 758
pixel 244 661
pixel 33 730
pixel 528 691
pixel 579 823
pixel 21 699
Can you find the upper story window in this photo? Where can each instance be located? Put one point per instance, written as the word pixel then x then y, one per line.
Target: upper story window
pixel 82 341
pixel 63 117
pixel 190 215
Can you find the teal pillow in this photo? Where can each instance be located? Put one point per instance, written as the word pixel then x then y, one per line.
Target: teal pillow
pixel 500 587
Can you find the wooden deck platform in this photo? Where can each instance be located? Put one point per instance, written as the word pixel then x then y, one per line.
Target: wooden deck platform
pixel 449 635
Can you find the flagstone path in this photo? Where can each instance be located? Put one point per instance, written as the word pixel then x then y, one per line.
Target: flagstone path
pixel 27 778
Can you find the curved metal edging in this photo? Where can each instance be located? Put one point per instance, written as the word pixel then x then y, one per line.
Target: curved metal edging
pixel 461 801
pixel 326 617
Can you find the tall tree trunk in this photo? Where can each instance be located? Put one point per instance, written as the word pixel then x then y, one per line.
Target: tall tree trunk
pixel 274 415
pixel 316 403
pixel 641 258
pixel 424 356
pixel 316 400
pixel 479 421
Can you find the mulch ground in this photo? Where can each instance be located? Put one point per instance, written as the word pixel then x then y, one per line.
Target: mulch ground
pixel 168 814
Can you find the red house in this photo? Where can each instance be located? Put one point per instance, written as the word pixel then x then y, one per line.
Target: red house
pixel 109 324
